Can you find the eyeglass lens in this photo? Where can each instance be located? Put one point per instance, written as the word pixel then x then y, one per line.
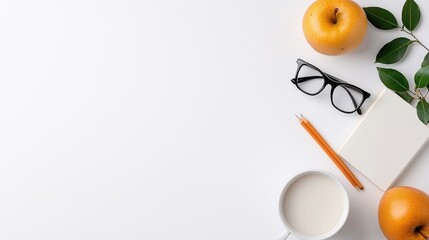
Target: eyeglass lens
pixel 309 80
pixel 344 97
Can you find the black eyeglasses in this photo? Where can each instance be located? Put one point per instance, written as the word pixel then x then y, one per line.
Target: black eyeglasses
pixel 345 97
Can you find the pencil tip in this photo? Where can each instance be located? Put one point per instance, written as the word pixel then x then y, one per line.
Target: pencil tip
pixel 297 117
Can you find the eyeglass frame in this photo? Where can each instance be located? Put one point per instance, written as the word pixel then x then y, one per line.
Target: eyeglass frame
pixel 334 82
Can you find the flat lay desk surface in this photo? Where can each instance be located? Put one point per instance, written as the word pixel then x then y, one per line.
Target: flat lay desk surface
pixel 171 119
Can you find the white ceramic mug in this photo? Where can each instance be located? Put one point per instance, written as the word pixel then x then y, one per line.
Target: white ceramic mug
pixel 314 205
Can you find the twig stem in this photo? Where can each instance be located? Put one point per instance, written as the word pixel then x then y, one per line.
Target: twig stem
pixel 415 37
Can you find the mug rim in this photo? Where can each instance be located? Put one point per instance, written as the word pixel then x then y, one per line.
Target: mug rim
pixel 344 214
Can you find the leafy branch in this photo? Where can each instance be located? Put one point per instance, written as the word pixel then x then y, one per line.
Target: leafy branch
pixel 393 51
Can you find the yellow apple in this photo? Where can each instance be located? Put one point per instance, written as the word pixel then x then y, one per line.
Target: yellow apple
pixel 334 27
pixel 403 214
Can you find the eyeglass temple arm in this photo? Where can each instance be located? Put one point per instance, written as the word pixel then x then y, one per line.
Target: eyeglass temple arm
pixel 307 78
pixel 304 79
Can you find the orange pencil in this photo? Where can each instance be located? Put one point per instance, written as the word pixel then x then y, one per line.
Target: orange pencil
pixel 330 152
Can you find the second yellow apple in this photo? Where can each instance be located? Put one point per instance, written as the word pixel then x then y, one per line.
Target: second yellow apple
pixel 334 27
pixel 403 214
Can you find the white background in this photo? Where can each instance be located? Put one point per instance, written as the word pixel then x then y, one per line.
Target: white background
pixel 171 119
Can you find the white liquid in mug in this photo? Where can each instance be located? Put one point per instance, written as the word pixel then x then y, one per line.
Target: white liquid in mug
pixel 313 204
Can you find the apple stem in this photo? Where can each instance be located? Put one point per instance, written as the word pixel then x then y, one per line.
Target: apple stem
pixel 426 237
pixel 335 15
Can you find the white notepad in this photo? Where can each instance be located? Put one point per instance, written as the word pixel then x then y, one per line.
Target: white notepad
pixel 386 140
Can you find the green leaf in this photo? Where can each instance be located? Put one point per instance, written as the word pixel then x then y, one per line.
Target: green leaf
pixel 381 18
pixel 426 60
pixel 423 111
pixel 410 14
pixel 406 96
pixel 393 51
pixel 393 79
pixel 422 77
